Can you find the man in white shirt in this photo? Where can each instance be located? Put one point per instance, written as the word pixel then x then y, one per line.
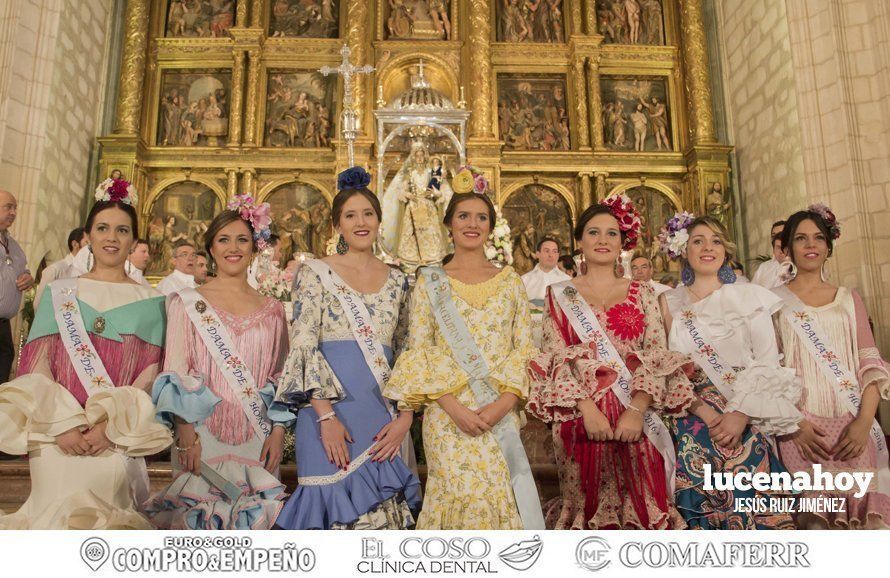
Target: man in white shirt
pixel 61 269
pixel 138 262
pixel 183 274
pixel 538 279
pixel 641 270
pixel 769 274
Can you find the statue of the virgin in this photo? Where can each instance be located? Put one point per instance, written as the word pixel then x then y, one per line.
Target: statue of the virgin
pixel 413 208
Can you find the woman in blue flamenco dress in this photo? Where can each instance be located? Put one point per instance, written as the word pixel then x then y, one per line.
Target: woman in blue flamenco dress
pixel 350 316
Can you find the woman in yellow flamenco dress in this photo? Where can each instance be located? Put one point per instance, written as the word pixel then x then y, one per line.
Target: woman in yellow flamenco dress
pixel 470 378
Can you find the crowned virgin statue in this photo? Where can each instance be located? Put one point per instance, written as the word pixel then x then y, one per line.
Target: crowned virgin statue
pixel 413 208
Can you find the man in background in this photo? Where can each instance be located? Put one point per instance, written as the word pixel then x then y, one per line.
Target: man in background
pixel 201 262
pixel 61 269
pixel 538 279
pixel 769 274
pixel 14 279
pixel 138 262
pixel 183 274
pixel 641 269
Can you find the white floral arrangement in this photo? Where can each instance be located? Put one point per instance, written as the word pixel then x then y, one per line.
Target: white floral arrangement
pixel 499 248
pixel 272 281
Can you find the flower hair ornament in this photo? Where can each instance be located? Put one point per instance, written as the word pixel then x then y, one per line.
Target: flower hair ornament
pixel 117 190
pixel 469 179
pixel 629 222
pixel 353 178
pixel 821 209
pixel 674 235
pixel 258 215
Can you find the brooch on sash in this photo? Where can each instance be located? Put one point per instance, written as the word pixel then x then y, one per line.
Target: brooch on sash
pixel 99 325
pixel 200 306
pixel 570 292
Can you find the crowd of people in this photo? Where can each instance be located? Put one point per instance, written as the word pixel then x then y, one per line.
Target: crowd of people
pixel 642 385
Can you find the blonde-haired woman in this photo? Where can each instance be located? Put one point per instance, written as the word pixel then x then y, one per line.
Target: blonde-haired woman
pixel 740 394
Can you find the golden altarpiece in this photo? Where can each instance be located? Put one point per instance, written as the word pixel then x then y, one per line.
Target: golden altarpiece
pixel 565 101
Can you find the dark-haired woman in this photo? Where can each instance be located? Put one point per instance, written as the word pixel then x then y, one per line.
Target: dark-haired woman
pixel 350 316
pixel 79 408
pixel 226 345
pixel 469 375
pixel 843 378
pixel 603 364
pixel 739 394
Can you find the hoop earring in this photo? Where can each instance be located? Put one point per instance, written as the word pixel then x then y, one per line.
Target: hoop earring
pixel 582 266
pixel 616 268
pixel 342 247
pixel 822 273
pixel 726 275
pixel 687 276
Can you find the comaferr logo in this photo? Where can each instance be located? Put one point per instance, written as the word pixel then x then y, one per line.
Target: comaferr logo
pixel 593 553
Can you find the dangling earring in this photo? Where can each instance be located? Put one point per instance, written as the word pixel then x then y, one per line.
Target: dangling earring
pixel 726 275
pixel 582 267
pixel 342 247
pixel 687 276
pixel 616 270
pixel 90 258
pixel 822 273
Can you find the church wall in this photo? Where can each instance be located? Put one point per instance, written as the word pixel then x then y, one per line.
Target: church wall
pixel 762 111
pixel 53 58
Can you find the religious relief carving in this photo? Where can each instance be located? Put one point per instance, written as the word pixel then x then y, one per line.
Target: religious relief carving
pixel 200 18
pixel 299 108
pixel 655 210
pixel 630 21
pixel 302 218
pixel 181 213
pixel 635 115
pixel 194 108
pixel 718 206
pixel 304 19
pixel 534 212
pixel 532 112
pixel 420 19
pixel 530 21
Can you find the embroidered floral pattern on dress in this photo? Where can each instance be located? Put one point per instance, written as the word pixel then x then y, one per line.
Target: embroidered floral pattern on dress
pixel 625 320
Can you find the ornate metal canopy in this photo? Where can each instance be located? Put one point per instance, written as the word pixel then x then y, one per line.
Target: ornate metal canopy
pixel 420 106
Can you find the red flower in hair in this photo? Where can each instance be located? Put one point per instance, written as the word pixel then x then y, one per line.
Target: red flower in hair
pixel 118 190
pixel 625 321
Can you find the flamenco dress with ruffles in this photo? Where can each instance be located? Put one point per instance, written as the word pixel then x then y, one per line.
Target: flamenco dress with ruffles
pixel 325 362
pixel 846 327
pixel 193 388
pixel 125 323
pixel 604 484
pixel 468 482
pixel 737 319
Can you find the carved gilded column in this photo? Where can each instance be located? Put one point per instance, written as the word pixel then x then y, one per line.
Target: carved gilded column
pixel 577 18
pixel 248 181
pixel 480 67
pixel 241 14
pixel 600 179
pixel 232 182
pixel 235 110
pixel 586 197
pixel 594 102
pixel 256 13
pixel 590 17
pixel 695 58
pixel 583 142
pixel 126 119
pixel 358 22
pixel 250 109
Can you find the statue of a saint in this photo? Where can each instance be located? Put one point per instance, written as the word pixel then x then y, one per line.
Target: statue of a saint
pixel 413 208
pixel 716 206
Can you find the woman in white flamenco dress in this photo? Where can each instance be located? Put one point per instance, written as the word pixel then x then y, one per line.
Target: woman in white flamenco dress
pixel 85 436
pixel 413 208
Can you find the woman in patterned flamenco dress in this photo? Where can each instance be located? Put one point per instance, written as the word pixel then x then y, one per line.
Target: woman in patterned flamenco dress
pixel 612 475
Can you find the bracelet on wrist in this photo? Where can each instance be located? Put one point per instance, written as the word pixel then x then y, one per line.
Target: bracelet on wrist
pixel 635 408
pixel 327 416
pixel 194 443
